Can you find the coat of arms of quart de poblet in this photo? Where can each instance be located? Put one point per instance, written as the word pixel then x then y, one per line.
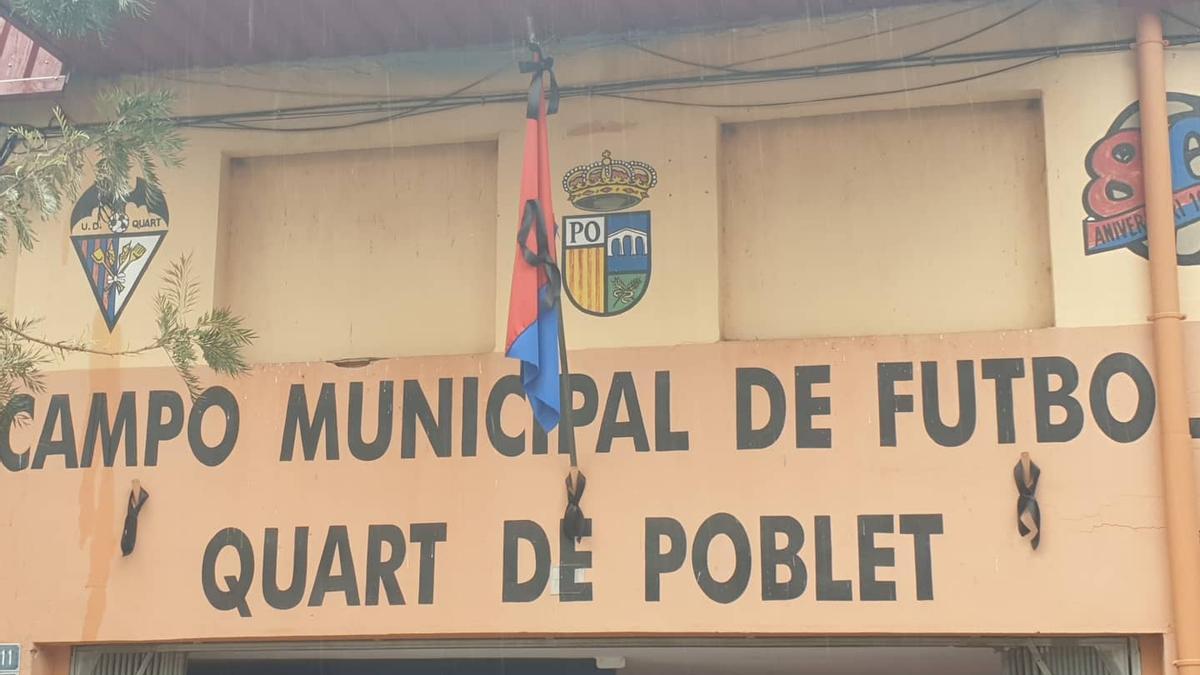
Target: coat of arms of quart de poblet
pixel 606 252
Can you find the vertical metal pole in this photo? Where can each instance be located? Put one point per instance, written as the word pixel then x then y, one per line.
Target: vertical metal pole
pixel 567 433
pixel 1178 477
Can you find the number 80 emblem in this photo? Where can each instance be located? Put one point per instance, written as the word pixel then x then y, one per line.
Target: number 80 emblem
pixel 1114 198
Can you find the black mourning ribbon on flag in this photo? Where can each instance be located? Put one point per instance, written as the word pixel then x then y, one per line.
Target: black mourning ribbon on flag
pixel 533 216
pixel 541 66
pixel 572 524
pixel 535 219
pixel 1029 515
pixel 137 499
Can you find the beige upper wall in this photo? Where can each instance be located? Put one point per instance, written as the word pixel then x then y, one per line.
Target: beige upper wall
pixel 363 253
pixel 885 222
pixel 1080 94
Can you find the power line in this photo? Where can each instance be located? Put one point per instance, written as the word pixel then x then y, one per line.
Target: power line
pixel 999 22
pixel 337 95
pixel 875 33
pixel 826 99
pixel 1182 20
pixel 732 76
pixel 857 67
pixel 628 89
pixel 433 105
pixel 374 96
pixel 240 126
pixel 393 109
pixel 733 66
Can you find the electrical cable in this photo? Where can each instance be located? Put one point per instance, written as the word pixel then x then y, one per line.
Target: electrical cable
pixel 876 33
pixel 271 90
pixel 855 67
pixel 826 99
pixel 414 112
pixel 432 104
pixel 1182 20
pixel 343 110
pixel 979 31
pixel 411 107
pixel 903 62
pixel 733 66
pixel 923 52
pixel 352 95
pixel 393 109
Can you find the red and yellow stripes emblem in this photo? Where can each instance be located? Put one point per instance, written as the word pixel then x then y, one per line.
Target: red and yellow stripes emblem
pixel 585 277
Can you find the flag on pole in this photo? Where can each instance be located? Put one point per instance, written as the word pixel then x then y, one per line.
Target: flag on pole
pixel 534 310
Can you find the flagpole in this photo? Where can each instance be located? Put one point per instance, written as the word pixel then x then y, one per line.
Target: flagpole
pixel 574 523
pixel 567 433
pixel 565 399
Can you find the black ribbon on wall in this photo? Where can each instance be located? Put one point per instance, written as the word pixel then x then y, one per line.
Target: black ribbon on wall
pixel 137 499
pixel 1029 514
pixel 573 518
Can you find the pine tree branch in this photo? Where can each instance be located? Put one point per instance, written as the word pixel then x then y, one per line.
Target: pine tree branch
pixel 62 346
pixel 77 18
pixel 15 182
pixel 45 176
pixel 42 174
pixel 217 338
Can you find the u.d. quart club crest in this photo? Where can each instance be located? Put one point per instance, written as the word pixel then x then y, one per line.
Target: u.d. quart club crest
pixel 116 242
pixel 606 252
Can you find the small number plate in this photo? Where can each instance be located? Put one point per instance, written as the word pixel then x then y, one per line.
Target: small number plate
pixel 10 659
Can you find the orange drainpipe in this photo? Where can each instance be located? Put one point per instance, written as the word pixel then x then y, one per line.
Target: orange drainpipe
pixel 1179 489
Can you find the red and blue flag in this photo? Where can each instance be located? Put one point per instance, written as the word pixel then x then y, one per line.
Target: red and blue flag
pixel 534 309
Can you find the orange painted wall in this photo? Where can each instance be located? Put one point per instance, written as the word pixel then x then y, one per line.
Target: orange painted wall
pixel 1102 546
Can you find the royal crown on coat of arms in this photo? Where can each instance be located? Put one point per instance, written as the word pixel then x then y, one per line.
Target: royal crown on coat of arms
pixel 609 184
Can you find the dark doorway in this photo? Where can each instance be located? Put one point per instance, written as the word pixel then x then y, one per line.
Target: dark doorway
pixel 400 667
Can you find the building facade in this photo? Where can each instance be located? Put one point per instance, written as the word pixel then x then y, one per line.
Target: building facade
pixel 828 277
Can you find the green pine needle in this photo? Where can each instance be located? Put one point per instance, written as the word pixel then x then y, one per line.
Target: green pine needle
pixel 43 173
pixel 77 18
pixel 217 337
pixel 20 363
